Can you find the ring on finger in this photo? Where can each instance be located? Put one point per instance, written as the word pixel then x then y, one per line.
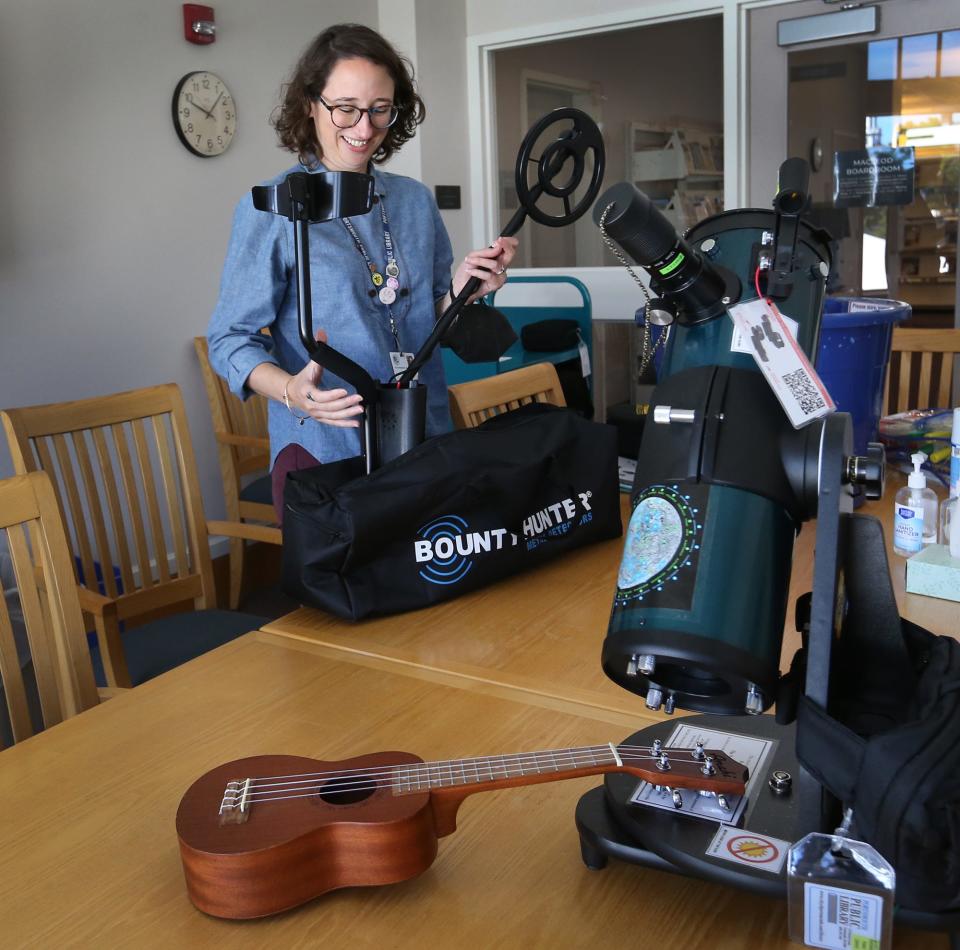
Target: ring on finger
pixel 502 270
pixel 310 397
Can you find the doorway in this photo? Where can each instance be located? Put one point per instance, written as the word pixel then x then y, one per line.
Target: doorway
pixel 893 92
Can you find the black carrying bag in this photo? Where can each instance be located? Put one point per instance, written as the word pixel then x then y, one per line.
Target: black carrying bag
pixel 456 513
pixel 899 770
pixel 550 336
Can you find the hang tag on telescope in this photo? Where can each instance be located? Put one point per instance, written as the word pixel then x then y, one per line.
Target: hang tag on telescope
pixel 784 365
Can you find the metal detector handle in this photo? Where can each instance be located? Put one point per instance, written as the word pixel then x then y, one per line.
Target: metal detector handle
pixel 320 352
pixel 453 311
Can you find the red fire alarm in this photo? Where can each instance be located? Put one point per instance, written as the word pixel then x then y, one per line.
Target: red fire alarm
pixel 198 24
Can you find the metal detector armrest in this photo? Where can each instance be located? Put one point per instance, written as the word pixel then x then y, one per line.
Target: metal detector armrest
pixel 317 196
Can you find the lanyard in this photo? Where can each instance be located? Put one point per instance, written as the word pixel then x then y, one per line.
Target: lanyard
pixel 386 289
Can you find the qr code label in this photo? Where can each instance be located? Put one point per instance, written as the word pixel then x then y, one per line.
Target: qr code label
pixel 782 361
pixel 803 390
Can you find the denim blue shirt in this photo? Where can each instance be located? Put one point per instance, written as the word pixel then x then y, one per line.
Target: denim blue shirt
pixel 258 289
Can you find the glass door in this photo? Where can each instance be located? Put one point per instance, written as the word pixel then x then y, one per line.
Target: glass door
pixel 884 107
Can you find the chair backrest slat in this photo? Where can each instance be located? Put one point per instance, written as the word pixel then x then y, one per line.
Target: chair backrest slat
pixel 79 521
pixel 59 662
pixel 25 571
pixel 131 499
pixel 118 531
pixel 944 390
pixel 158 549
pixel 98 523
pixel 13 687
pixel 168 477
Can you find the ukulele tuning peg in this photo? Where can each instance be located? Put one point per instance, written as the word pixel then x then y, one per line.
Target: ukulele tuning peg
pixel 722 802
pixel 677 799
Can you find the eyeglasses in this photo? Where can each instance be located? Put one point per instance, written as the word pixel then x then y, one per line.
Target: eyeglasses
pixel 346 117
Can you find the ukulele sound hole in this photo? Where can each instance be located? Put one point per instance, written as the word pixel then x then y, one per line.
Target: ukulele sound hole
pixel 347 792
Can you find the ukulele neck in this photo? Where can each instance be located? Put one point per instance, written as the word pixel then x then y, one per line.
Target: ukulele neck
pixel 504 771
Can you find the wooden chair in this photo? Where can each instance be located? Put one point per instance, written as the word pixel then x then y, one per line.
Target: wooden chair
pixel 49 676
pixel 920 375
pixel 240 428
pixel 471 403
pixel 124 475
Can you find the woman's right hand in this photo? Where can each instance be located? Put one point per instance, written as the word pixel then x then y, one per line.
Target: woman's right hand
pixel 332 407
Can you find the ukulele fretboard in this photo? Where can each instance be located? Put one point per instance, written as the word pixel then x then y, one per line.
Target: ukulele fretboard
pixel 425 776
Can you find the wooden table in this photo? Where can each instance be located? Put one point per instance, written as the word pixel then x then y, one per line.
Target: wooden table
pixel 88 851
pixel 541 632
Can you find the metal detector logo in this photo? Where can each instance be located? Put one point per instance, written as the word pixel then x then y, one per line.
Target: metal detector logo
pixel 446 546
pixel 447 543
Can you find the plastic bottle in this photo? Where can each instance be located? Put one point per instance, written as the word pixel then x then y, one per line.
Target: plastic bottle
pixel 950 526
pixel 914 512
pixel 955 455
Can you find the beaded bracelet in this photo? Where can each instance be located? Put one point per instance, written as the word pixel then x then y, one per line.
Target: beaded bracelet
pixel 286 402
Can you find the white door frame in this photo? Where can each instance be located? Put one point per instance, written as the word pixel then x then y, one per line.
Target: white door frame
pixel 613 291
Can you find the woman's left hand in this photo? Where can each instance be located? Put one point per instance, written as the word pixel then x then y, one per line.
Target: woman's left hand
pixel 489 264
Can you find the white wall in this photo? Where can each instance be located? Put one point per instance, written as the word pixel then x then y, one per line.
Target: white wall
pixel 445 149
pixel 112 236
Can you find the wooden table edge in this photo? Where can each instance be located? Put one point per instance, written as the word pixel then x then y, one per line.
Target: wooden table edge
pixel 582 703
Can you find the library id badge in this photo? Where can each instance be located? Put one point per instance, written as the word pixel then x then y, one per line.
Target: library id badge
pixel 400 362
pixel 839 894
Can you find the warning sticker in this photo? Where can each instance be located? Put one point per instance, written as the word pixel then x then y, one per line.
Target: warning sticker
pixel 744 847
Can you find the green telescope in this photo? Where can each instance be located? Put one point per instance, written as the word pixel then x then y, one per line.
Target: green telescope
pixel 724 480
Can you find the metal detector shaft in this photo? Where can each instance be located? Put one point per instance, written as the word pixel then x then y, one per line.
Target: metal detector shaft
pixel 456 305
pixel 573 144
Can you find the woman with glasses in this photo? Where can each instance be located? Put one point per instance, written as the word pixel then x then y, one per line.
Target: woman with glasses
pixel 379 280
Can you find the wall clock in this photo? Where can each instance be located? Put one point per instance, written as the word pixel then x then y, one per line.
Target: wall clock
pixel 204 114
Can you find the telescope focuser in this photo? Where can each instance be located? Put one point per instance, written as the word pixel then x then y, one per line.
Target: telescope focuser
pixel 867 470
pixel 689 287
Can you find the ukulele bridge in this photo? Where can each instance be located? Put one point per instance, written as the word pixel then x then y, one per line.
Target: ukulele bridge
pixel 235 804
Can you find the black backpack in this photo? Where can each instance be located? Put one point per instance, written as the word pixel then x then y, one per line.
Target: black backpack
pixel 890 746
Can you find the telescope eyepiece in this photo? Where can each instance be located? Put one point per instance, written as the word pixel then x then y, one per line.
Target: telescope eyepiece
pixel 793 186
pixel 635 223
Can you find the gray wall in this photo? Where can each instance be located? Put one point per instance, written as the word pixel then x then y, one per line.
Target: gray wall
pixel 112 236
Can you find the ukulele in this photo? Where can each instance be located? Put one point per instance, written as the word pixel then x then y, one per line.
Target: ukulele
pixel 264 834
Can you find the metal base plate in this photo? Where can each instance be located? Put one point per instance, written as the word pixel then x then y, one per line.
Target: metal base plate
pixel 610 827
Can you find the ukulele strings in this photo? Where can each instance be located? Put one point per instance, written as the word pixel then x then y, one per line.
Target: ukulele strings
pixel 306 785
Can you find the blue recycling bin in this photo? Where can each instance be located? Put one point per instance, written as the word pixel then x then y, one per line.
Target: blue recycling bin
pixel 855 338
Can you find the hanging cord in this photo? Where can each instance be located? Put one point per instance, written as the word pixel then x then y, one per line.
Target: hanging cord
pixel 646 351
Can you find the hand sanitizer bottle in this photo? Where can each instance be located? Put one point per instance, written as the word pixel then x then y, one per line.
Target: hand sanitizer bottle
pixel 914 512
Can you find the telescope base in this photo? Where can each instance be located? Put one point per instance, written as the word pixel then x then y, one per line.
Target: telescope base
pixel 611 827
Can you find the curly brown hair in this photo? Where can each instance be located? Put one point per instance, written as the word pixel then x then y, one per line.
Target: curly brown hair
pixel 292 118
